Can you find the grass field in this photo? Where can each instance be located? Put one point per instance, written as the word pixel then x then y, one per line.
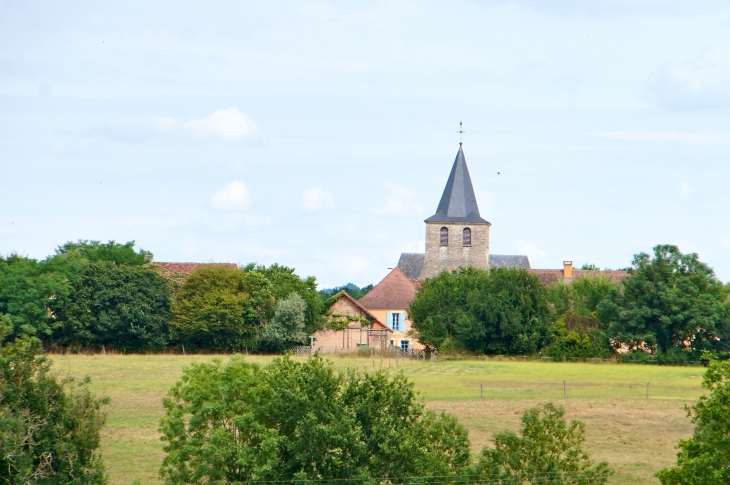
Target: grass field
pixel 635 434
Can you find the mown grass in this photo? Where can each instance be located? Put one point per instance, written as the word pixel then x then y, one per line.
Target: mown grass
pixel 635 434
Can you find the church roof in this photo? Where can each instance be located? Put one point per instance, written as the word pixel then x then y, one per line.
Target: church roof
pixel 458 202
pixel 508 261
pixel 411 264
pixel 395 291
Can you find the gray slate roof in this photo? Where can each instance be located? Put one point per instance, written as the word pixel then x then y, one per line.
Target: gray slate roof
pixel 458 202
pixel 508 261
pixel 411 264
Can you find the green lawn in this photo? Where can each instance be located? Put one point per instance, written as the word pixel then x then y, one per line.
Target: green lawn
pixel 634 434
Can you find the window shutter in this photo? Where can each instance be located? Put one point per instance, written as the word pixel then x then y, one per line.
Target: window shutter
pixel 389 320
pixel 403 322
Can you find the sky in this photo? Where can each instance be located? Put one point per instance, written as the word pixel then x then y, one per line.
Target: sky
pixel 320 135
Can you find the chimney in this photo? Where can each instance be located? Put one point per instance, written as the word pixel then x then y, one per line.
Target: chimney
pixel 567 271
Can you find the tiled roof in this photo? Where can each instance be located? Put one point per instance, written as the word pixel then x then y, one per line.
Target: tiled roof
pixel 187 268
pixel 548 276
pixel 395 291
pixel 458 202
pixel 411 264
pixel 508 261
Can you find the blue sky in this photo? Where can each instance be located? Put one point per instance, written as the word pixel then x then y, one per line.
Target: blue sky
pixel 320 135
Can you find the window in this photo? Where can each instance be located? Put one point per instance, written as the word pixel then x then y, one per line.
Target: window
pixel 396 322
pixel 405 345
pixel 444 236
pixel 391 342
pixel 467 236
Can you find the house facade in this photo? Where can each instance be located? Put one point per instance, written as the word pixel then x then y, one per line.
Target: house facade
pixel 349 327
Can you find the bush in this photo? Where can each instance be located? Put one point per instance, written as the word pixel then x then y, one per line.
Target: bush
pixel 548 451
pixel 287 326
pixel 49 428
pixel 288 421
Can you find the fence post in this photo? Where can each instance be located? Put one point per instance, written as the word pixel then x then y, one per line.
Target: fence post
pixel 565 390
pixel 481 391
pixel 647 390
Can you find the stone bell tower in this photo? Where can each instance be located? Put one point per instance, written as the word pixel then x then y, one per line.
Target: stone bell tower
pixel 456 235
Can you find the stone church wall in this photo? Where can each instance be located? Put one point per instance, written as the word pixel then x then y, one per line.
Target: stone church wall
pixel 451 257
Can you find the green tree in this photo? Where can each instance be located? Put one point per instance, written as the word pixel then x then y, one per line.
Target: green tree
pixel 222 308
pixel 284 281
pixel 302 420
pixel 671 301
pixel 287 326
pixel 703 459
pixel 502 311
pixel 95 251
pixel 123 306
pixel 27 288
pixel 548 451
pixel 49 428
pixel 578 330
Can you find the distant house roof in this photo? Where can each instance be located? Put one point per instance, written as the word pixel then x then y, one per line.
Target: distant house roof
pixel 548 276
pixel 508 261
pixel 411 264
pixel 395 291
pixel 187 268
pixel 458 202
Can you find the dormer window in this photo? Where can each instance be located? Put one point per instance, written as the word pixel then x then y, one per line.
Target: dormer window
pixel 444 236
pixel 467 236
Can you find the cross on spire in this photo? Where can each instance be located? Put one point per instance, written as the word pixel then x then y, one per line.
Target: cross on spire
pixel 460 132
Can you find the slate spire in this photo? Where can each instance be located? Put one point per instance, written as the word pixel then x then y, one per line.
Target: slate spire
pixel 458 202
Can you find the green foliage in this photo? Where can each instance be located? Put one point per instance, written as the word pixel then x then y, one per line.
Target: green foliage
pixel 548 450
pixel 222 308
pixel 670 301
pixel 94 251
pixel 284 281
pixel 287 326
pixel 49 428
pixel 351 289
pixel 27 289
pixel 123 306
pixel 239 422
pixel 503 311
pixel 703 459
pixel 578 331
pixel 589 267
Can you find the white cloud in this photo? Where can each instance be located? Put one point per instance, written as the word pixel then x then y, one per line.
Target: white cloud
pixel 662 137
pixel 316 199
pixel 400 202
pixel 700 82
pixel 226 124
pixel 685 190
pixel 233 196
pixel 531 250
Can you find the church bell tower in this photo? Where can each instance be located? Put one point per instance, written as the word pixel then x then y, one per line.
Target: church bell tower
pixel 456 235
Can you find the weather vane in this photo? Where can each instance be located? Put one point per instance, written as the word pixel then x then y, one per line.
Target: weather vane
pixel 460 132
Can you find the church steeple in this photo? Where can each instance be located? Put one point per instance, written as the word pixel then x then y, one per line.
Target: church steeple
pixel 458 202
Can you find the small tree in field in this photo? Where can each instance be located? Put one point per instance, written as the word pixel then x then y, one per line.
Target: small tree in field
pixel 704 459
pixel 49 428
pixel 287 326
pixel 549 451
pixel 239 422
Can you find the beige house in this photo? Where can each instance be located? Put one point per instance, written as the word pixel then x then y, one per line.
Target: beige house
pixel 389 302
pixel 349 327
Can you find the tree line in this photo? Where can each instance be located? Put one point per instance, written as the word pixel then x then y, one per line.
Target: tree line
pixel 671 307
pixel 97 295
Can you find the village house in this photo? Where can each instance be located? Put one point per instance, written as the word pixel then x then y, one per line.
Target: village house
pixel 350 326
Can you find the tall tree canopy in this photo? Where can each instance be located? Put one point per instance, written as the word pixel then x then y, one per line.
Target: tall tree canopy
pixel 49 428
pixel 291 420
pixel 502 311
pixel 669 301
pixel 94 251
pixel 119 305
pixel 222 308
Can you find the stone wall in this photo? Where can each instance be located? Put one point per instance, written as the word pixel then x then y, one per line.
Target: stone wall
pixel 451 257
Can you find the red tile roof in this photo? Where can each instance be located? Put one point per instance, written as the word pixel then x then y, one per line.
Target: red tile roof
pixel 395 291
pixel 187 268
